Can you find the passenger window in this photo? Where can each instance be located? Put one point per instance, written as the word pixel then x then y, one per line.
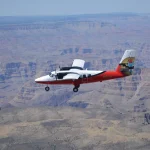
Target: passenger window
pixel 84 76
pixel 89 75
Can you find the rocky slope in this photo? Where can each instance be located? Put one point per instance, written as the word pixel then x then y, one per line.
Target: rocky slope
pixel 67 128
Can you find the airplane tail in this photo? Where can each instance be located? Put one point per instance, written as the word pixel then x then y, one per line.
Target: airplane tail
pixel 126 64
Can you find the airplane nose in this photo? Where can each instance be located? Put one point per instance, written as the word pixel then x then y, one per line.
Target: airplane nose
pixel 36 80
pixel 43 79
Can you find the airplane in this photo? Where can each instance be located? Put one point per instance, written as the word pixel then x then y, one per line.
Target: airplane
pixel 77 75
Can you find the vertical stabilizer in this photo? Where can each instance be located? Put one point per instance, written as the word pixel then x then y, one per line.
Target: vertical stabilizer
pixel 126 64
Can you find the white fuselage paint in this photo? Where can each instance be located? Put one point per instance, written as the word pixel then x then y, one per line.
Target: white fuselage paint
pixel 81 72
pixel 52 76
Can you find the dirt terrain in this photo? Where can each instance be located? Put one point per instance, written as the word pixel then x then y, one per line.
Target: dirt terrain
pixel 106 115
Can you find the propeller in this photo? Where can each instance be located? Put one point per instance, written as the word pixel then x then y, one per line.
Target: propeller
pixel 56 74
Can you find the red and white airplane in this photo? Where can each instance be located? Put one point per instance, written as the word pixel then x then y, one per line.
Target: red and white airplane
pixel 76 74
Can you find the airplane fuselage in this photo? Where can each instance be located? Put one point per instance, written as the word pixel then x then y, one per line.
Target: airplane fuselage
pixel 86 76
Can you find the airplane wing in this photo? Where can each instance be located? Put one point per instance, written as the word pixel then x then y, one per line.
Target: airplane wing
pixel 78 64
pixel 71 76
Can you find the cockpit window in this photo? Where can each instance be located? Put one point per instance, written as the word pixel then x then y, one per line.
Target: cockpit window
pixel 51 75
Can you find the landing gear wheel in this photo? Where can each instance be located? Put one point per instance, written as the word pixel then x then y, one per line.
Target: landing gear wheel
pixel 47 88
pixel 75 89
